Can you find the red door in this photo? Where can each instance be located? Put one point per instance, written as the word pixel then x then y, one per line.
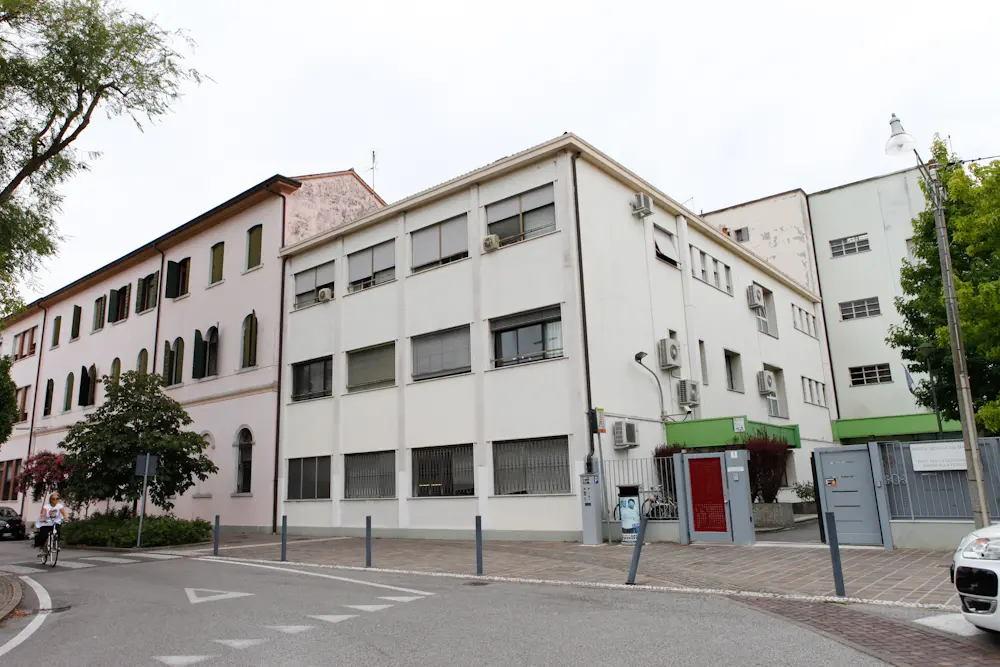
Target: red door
pixel 708 498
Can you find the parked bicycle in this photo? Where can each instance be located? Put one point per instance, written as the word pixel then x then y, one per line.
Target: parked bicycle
pixel 659 506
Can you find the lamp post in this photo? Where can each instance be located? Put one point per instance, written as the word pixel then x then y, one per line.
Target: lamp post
pixel 900 143
pixel 925 350
pixel 639 356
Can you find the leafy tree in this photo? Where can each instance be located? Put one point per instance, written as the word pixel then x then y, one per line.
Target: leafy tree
pixel 136 418
pixel 43 473
pixel 972 211
pixel 60 62
pixel 8 400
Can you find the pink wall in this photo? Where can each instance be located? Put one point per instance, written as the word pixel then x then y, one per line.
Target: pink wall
pixel 326 202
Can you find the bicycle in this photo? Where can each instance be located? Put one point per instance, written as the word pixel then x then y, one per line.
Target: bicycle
pixel 658 506
pixel 51 548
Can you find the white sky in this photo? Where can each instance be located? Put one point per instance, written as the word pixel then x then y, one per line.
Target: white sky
pixel 720 101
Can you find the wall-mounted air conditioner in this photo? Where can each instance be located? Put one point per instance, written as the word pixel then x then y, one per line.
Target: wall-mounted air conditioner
pixel 755 296
pixel 767 383
pixel 325 294
pixel 491 243
pixel 642 205
pixel 626 435
pixel 688 392
pixel 668 352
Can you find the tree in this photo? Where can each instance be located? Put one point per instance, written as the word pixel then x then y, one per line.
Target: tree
pixel 43 473
pixel 9 410
pixel 136 418
pixel 972 211
pixel 60 62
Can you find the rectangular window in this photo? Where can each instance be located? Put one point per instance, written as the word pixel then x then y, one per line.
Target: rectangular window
pixel 312 379
pixel 704 266
pixel 525 467
pixel 74 330
pixel 177 278
pixel 813 392
pixel 100 305
pixel 665 245
pixel 370 475
pixel 24 344
pixel 711 271
pixel 694 260
pixel 308 284
pixel 777 405
pixel 217 260
pixel 729 281
pixel 525 216
pixel 911 250
pixel 734 371
pixel 874 374
pixel 372 367
pixel 255 237
pixel 439 244
pixel 21 402
pixel 309 478
pixel 8 479
pixel 441 353
pixel 443 471
pixel 148 288
pixel 526 337
pixel 704 362
pixel 766 317
pixel 371 266
pixel 804 321
pixel 853 310
pixel 56 329
pixel 849 245
pixel 118 300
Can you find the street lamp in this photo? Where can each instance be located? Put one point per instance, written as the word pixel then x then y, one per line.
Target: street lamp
pixel 901 143
pixel 925 351
pixel 639 356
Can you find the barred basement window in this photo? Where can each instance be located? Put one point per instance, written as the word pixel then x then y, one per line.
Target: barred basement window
pixel 309 478
pixel 370 475
pixel 443 471
pixel 849 245
pixel 526 467
pixel 852 310
pixel 874 374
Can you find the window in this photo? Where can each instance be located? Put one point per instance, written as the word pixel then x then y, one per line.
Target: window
pixel 370 475
pixel 173 362
pixel 715 274
pixel 694 260
pixel 849 245
pixel 100 305
pixel 50 388
pixel 853 310
pixel 441 353
pixel 766 320
pixel 21 402
pixel 255 236
pixel 439 244
pixel 665 245
pixel 371 367
pixel 56 329
pixel 74 330
pixel 118 300
pixel 777 405
pixel 312 379
pixel 206 354
pixel 142 362
pixel 704 266
pixel 216 261
pixel 526 337
pixel 711 271
pixel 524 467
pixel 24 344
pixel 874 374
pixel 804 321
pixel 729 280
pixel 813 392
pixel 88 386
pixel 734 371
pixel 244 460
pixel 704 362
pixel 147 290
pixel 249 356
pixel 443 471
pixel 371 266
pixel 116 369
pixel 308 283
pixel 911 250
pixel 309 478
pixel 525 216
pixel 177 278
pixel 68 395
pixel 8 479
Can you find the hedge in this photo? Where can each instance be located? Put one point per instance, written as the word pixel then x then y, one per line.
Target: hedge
pixel 116 530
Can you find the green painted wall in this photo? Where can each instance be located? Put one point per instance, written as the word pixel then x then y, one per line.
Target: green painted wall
pixel 719 431
pixel 886 427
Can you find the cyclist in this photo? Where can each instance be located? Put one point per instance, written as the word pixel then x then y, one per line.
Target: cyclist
pixel 50 518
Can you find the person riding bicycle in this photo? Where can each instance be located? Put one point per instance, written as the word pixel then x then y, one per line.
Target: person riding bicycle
pixel 49 519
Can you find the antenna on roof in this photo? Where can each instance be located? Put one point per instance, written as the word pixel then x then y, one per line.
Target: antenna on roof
pixel 372 170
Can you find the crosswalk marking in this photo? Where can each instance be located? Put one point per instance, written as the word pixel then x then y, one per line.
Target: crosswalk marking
pixel 239 643
pixel 181 660
pixel 73 564
pixel 19 569
pixel 401 598
pixel 332 619
pixel 290 629
pixel 156 556
pixel 111 559
pixel 368 607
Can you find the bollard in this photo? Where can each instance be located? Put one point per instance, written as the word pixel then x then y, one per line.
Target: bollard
pixel 637 551
pixel 838 571
pixel 368 541
pixel 215 545
pixel 284 537
pixel 479 546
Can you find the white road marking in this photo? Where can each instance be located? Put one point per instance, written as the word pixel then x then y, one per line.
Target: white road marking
pixel 953 623
pixel 156 556
pixel 110 559
pixel 44 604
pixel 332 619
pixel 239 643
pixel 402 599
pixel 399 589
pixel 368 607
pixel 290 629
pixel 19 569
pixel 180 660
pixel 194 597
pixel 207 550
pixel 73 564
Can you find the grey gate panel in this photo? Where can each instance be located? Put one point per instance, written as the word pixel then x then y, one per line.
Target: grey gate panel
pixel 848 490
pixel 707 497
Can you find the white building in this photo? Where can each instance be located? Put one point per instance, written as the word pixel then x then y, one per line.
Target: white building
pixel 199 305
pixel 433 371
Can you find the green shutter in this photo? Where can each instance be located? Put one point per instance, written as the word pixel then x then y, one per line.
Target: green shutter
pixel 168 373
pixel 198 370
pixel 75 328
pixel 173 280
pixel 218 257
pixel 56 325
pixel 155 290
pixel 113 306
pixel 254 242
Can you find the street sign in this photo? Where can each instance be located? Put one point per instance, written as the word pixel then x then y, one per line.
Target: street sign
pixel 601 426
pixel 140 465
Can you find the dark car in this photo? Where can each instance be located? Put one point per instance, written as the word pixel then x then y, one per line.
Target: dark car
pixel 11 525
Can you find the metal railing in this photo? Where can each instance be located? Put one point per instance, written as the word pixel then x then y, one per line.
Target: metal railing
pixel 527 467
pixel 443 471
pixel 939 494
pixel 655 479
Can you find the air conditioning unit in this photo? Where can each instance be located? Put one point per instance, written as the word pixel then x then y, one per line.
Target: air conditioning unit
pixel 491 243
pixel 688 392
pixel 325 294
pixel 767 384
pixel 755 296
pixel 668 352
pixel 626 435
pixel 743 234
pixel 642 205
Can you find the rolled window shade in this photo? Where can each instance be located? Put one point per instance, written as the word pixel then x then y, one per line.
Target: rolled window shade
pixel 454 236
pixel 384 256
pixel 359 265
pixel 502 210
pixel 426 245
pixel 305 281
pixel 537 198
pixel 325 274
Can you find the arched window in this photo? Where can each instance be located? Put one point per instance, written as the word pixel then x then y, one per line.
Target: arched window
pixel 50 388
pixel 68 398
pixel 244 460
pixel 92 382
pixel 198 365
pixel 203 489
pixel 249 341
pixel 142 362
pixel 168 367
pixel 86 385
pixel 177 360
pixel 255 236
pixel 212 352
pixel 116 369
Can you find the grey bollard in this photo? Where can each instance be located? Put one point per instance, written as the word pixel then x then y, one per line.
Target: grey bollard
pixel 637 551
pixel 215 545
pixel 284 537
pixel 368 541
pixel 479 546
pixel 838 571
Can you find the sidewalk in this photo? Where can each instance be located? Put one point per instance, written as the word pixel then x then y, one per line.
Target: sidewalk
pixel 898 576
pixel 10 595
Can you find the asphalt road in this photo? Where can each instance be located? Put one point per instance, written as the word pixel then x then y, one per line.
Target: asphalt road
pixel 140 613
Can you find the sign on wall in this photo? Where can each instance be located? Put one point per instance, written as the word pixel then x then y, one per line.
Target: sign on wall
pixel 932 456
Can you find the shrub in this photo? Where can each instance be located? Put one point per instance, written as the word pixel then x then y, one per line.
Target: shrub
pixel 120 529
pixel 806 492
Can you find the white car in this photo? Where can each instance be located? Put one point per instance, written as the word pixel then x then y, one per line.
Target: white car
pixel 975 572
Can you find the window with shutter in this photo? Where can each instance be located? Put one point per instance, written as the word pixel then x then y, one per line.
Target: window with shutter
pixel 439 244
pixel 372 367
pixel 308 283
pixel 523 217
pixel 441 353
pixel 142 362
pixel 212 352
pixel 217 259
pixel 50 388
pixel 255 237
pixel 372 266
pixel 74 331
pixel 56 328
pixel 198 365
pixel 249 357
pixel 68 396
pixel 177 360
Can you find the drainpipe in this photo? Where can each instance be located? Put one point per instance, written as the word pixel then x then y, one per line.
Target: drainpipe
pixel 583 312
pixel 159 304
pixel 822 307
pixel 34 397
pixel 281 372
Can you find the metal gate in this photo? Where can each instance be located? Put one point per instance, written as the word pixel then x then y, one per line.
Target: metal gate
pixel 705 478
pixel 847 488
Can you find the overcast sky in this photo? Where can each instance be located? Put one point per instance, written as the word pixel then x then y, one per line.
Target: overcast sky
pixel 715 102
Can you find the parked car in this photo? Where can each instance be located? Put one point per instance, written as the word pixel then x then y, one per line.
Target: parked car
pixel 974 572
pixel 11 524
